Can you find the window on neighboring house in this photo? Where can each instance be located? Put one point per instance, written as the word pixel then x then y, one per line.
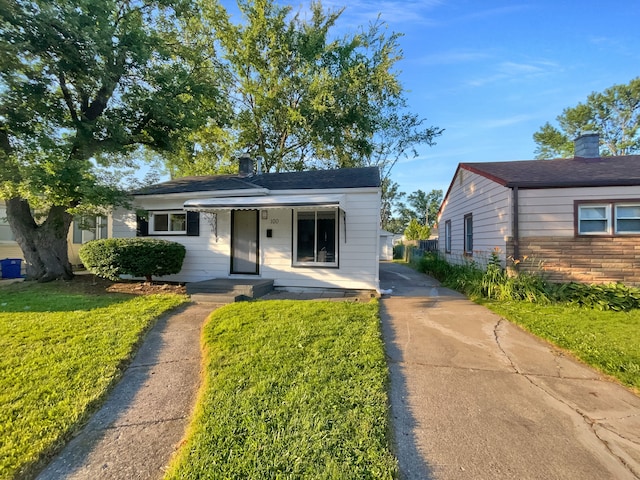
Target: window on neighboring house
pixel 594 219
pixel 447 236
pixel 87 228
pixel 627 218
pixel 6 234
pixel 168 223
pixel 612 218
pixel 315 238
pixel 468 234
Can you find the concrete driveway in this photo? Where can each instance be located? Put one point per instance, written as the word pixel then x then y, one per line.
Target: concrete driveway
pixel 475 397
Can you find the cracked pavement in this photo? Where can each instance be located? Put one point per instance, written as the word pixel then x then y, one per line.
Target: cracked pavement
pixel 474 396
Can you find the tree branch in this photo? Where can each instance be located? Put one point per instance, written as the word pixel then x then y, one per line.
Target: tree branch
pixel 67 97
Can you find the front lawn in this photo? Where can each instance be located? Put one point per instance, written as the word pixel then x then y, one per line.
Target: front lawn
pixel 292 389
pixel 607 340
pixel 61 352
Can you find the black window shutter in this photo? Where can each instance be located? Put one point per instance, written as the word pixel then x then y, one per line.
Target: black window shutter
pixel 142 226
pixel 193 224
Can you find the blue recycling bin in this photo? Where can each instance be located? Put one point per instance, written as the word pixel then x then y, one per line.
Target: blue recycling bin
pixel 11 267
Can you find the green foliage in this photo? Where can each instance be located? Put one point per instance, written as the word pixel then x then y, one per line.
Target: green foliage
pixel 607 340
pixel 139 257
pixel 415 231
pixel 612 296
pixel 291 390
pixel 83 84
pixel 420 205
pixel 61 353
pixel 497 284
pixel 302 95
pixel 614 114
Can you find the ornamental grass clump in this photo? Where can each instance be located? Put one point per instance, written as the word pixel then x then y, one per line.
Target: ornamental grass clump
pixel 139 257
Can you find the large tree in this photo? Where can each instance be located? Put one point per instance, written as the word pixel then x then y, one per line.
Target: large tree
pixel 83 83
pixel 303 97
pixel 614 114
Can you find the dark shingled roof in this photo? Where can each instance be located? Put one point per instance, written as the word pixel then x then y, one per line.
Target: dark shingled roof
pixel 569 172
pixel 315 179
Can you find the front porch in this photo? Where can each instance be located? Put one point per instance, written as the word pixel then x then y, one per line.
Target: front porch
pixel 228 290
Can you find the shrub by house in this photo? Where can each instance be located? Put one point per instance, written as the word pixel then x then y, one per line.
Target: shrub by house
pixel 140 257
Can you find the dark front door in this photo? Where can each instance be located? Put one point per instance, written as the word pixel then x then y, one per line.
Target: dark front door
pixel 244 241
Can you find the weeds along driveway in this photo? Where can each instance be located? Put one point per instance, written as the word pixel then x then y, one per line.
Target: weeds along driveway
pixel 473 396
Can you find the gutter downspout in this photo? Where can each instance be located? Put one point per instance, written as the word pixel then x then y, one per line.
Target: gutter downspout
pixel 515 227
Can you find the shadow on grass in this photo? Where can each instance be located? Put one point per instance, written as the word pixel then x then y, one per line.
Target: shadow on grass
pixel 55 297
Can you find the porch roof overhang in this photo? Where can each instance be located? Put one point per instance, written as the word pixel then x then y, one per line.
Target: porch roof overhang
pixel 266 202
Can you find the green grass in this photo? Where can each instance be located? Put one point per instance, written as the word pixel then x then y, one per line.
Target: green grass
pixel 292 390
pixel 61 352
pixel 607 340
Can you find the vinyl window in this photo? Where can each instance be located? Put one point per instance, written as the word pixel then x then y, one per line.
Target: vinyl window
pixel 627 218
pixel 168 223
pixel 447 236
pixel 315 238
pixel 468 234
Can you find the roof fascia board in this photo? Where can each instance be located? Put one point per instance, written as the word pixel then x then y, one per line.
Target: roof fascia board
pixel 482 173
pixel 256 192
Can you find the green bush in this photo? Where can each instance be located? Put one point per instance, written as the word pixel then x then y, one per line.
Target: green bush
pixel 611 296
pixel 139 257
pixel 497 284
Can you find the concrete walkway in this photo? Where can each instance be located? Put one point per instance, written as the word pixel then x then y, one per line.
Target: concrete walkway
pixel 142 422
pixel 475 397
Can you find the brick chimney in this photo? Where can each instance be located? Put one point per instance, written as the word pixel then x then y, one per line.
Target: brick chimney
pixel 587 145
pixel 246 166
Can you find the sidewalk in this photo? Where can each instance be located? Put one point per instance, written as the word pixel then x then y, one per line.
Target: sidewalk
pixel 140 426
pixel 475 397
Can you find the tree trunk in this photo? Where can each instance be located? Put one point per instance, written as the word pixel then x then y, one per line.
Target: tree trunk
pixel 44 246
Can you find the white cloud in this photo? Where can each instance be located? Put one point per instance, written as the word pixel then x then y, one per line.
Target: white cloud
pixel 453 57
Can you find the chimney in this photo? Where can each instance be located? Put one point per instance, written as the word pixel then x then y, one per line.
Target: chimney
pixel 246 165
pixel 587 145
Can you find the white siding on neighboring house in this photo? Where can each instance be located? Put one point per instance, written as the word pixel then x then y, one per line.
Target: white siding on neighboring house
pixel 549 212
pixel 386 245
pixel 490 205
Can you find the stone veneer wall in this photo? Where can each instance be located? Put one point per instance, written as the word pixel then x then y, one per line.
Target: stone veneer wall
pixel 581 259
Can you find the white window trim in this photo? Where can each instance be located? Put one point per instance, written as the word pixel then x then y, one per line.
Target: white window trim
pixel 447 236
pixel 465 243
pixel 616 218
pixel 169 213
pixel 606 206
pixel 296 263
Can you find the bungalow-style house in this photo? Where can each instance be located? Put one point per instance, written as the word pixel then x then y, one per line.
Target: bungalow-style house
pixel 301 229
pixel 576 219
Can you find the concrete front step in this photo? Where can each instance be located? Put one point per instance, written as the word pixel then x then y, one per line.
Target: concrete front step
pixel 228 290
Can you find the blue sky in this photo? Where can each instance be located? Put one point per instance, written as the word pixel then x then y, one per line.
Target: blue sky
pixel 491 73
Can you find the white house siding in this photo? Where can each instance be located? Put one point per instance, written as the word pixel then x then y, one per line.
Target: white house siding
pixel 490 205
pixel 208 257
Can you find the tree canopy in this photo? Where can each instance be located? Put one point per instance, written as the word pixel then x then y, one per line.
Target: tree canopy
pixel 614 114
pixel 420 206
pixel 83 84
pixel 304 98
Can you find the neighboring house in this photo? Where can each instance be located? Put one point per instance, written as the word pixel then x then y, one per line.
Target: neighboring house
pixel 8 246
pixel 576 219
pixel 386 245
pixel 82 230
pixel 300 229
